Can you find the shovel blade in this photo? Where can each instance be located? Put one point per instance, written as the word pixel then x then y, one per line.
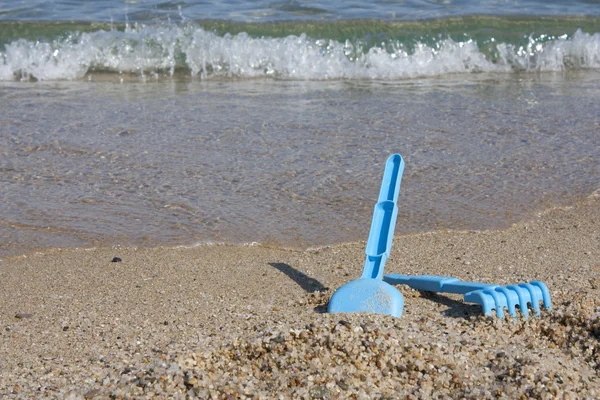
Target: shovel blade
pixel 367 295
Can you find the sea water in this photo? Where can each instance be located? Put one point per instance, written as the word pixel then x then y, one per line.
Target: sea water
pixel 176 123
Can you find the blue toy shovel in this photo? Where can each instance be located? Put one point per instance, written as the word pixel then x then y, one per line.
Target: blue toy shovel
pixel 370 293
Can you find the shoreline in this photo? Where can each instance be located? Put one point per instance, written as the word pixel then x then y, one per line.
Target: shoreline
pixel 249 321
pixel 27 252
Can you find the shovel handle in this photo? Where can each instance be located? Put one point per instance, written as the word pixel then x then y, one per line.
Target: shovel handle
pixel 383 224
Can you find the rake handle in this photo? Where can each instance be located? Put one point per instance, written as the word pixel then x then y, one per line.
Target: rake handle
pixel 431 283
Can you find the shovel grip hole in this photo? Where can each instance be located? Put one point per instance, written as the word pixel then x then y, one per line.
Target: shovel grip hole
pixel 380 228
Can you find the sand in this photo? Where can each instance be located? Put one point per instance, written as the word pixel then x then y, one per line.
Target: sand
pixel 249 321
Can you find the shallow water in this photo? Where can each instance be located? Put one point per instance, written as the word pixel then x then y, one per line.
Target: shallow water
pixel 292 163
pixel 175 123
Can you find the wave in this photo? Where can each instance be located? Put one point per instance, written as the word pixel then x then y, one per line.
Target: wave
pixel 158 50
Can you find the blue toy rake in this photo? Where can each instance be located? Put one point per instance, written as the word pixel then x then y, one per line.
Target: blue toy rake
pixel 374 292
pixel 489 296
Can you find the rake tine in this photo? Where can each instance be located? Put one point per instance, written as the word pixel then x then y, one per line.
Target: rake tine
pixel 535 299
pixel 498 303
pixel 545 294
pixel 509 300
pixel 522 295
pixel 481 297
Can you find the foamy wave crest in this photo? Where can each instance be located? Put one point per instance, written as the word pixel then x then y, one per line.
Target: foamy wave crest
pixel 582 51
pixel 192 50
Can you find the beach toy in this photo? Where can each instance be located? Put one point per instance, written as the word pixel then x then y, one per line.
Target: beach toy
pixel 374 292
pixel 370 293
pixel 489 296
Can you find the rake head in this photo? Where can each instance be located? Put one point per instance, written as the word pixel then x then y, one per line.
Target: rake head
pixel 524 295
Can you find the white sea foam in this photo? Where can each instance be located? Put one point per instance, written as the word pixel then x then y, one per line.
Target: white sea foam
pixel 149 49
pixel 582 51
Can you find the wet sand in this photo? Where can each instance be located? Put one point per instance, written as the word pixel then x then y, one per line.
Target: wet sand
pixel 240 321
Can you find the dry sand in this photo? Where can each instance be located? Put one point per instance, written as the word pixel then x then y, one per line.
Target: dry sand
pixel 235 322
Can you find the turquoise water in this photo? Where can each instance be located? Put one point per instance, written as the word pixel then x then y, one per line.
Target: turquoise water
pixel 266 11
pixel 177 123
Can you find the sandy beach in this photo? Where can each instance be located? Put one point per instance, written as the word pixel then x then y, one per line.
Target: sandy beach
pixel 249 322
pixel 185 185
